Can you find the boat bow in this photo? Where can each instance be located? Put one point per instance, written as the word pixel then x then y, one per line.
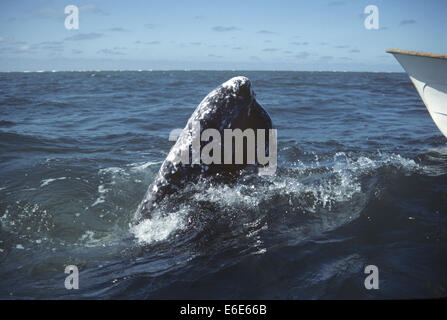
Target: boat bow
pixel 428 72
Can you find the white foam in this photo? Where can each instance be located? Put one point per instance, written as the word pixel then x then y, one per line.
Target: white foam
pixel 111 170
pixel 98 201
pixel 143 166
pixel 228 195
pixel 46 182
pixel 159 228
pixel 336 182
pixel 101 199
pixel 88 239
pixel 339 183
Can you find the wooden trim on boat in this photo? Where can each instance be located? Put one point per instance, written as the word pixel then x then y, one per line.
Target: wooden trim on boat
pixel 418 53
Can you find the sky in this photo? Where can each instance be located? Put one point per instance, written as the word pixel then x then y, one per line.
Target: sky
pixel 312 35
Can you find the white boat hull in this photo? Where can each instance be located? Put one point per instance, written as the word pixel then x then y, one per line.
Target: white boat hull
pixel 429 75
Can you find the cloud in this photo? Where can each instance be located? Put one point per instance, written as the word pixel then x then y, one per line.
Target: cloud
pixel 336 3
pixel 237 48
pixel 326 58
pixel 117 29
pixel 196 43
pixel 45 12
pixel 270 50
pixel 76 51
pixel 405 22
pixel 300 43
pixel 51 45
pixel 341 47
pixel 24 47
pixel 110 52
pixel 266 32
pixel 214 56
pixel 354 51
pixel 302 55
pixel 18 47
pixel 91 7
pixel 225 29
pixel 4 49
pixel 150 26
pixel 287 52
pixel 147 42
pixel 58 12
pixel 255 58
pixel 85 36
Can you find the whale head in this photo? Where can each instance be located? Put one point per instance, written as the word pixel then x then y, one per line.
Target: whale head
pixel 232 106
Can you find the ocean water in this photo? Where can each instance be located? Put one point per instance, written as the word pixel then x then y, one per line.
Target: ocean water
pixel 361 180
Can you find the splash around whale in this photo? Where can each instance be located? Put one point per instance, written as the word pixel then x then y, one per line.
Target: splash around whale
pixel 228 131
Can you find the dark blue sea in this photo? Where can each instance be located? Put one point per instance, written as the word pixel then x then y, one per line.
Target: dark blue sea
pixel 361 180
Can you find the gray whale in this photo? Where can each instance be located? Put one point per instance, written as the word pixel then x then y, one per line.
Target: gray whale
pixel 232 105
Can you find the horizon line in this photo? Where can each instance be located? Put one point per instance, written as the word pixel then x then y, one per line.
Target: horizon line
pixel 188 70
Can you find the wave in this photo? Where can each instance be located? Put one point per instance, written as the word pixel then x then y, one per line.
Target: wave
pixel 333 193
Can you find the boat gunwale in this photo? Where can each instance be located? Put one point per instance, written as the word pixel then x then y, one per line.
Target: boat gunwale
pixel 418 53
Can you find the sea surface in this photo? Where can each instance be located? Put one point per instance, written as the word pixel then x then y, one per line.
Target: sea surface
pixel 361 180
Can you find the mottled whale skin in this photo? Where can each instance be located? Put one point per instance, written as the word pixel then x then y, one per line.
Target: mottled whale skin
pixel 232 105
